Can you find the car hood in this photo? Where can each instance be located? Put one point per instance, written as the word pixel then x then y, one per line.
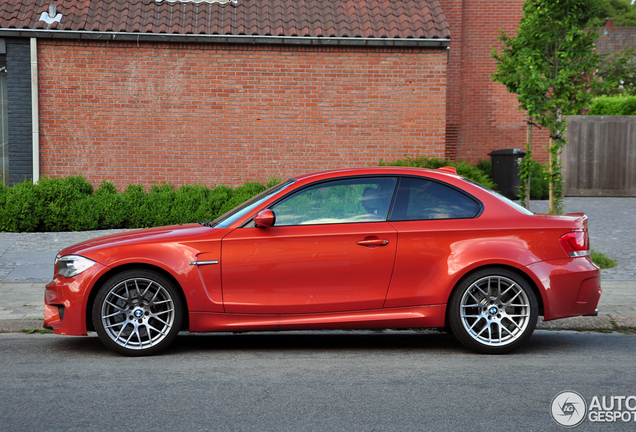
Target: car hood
pixel 160 235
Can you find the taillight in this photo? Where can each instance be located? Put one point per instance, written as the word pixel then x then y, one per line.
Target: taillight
pixel 576 243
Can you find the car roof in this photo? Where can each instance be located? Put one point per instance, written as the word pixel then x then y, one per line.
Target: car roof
pixel 381 170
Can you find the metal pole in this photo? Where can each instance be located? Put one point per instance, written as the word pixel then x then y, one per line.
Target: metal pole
pixel 34 110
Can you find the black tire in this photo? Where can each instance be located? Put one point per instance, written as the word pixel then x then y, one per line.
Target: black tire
pixel 493 311
pixel 137 312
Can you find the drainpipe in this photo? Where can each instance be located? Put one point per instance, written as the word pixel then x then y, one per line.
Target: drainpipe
pixel 35 110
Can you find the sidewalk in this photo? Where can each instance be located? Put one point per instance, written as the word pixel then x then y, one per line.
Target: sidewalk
pixel 26 265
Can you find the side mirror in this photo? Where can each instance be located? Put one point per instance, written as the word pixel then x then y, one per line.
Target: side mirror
pixel 265 219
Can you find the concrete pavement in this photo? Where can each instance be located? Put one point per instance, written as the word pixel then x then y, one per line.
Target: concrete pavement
pixel 26 265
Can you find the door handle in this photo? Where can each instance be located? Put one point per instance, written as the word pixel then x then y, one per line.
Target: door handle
pixel 373 242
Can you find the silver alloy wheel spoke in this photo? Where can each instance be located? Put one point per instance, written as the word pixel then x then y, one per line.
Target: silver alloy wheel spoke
pixel 140 323
pixel 115 306
pixel 494 320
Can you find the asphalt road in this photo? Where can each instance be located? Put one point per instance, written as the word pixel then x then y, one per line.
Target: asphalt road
pixel 309 381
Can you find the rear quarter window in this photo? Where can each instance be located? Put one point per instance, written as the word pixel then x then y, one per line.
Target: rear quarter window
pixel 421 199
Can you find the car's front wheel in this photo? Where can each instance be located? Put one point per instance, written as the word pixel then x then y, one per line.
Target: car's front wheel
pixel 493 311
pixel 137 312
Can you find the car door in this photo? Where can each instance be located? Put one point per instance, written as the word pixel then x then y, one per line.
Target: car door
pixel 330 250
pixel 433 220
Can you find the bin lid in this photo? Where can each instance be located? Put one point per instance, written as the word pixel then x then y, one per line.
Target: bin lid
pixel 508 152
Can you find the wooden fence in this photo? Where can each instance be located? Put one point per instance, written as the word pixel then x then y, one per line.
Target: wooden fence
pixel 600 156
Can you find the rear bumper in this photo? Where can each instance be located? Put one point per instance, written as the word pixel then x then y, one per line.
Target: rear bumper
pixel 569 287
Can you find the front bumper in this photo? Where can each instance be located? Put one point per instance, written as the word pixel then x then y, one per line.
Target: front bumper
pixel 66 299
pixel 569 287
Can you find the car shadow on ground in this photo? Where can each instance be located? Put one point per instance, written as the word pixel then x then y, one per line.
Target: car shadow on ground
pixel 316 341
pixel 428 341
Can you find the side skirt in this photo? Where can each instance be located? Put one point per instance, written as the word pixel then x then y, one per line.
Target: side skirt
pixel 410 317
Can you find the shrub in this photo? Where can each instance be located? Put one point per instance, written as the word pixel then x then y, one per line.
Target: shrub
pixel 613 106
pixel 20 208
pixel 485 166
pixel 58 196
pixel 112 207
pixel 539 183
pixel 60 204
pixel 463 168
pixel 189 204
pixel 84 215
pixel 136 205
pixel 159 205
pixel 240 195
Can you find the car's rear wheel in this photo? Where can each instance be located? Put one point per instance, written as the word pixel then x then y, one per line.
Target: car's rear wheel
pixel 493 311
pixel 137 312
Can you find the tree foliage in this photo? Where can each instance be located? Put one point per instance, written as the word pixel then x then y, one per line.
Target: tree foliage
pixel 623 12
pixel 547 64
pixel 616 74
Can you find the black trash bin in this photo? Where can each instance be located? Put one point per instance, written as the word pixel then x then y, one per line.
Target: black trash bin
pixel 505 171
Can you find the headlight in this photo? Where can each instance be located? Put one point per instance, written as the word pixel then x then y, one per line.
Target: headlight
pixel 72 265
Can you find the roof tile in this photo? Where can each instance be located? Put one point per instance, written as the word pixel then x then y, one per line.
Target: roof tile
pixel 304 18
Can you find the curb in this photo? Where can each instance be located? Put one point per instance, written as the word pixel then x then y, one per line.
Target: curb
pixel 602 323
pixel 18 325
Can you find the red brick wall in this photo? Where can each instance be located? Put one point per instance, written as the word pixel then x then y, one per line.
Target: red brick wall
pixel 225 114
pixel 481 115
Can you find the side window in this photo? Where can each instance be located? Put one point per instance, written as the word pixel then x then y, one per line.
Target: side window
pixel 339 201
pixel 419 199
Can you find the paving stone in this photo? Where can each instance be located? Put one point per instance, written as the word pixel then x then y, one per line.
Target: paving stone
pixel 611 227
pixel 6 244
pixel 31 272
pixel 28 257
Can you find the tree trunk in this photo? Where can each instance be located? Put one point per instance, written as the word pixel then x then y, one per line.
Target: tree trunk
pixel 551 183
pixel 528 152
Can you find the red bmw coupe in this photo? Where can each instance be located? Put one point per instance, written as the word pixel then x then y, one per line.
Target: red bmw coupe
pixel 345 249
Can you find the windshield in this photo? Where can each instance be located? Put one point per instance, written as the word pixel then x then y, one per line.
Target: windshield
pixel 238 212
pixel 501 197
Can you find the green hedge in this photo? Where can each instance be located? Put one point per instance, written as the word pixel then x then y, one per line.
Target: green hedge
pixel 613 106
pixel 71 204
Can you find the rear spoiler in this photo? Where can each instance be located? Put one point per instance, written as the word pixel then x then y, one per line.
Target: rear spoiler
pixel 581 217
pixel 448 169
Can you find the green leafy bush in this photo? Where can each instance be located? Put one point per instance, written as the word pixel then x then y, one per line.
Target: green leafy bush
pixel 613 106
pixel 84 215
pixel 159 205
pixel 240 195
pixel 112 207
pixel 63 204
pixel 539 183
pixel 58 196
pixel 464 169
pixel 485 166
pixel 20 208
pixel 137 209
